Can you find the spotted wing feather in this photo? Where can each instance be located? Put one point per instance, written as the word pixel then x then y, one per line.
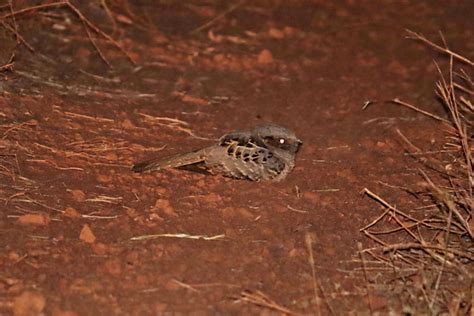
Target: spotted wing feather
pixel 245 159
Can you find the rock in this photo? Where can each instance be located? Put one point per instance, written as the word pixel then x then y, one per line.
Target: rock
pixel 29 303
pixel 34 219
pixel 87 235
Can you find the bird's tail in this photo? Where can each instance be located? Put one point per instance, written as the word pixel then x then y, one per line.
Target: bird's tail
pixel 176 161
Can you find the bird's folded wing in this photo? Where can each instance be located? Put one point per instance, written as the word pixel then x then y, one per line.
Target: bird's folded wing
pixel 170 162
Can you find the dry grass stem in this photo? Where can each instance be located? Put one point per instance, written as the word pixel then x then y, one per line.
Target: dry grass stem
pixel 218 17
pixel 296 210
pixel 317 299
pixel 83 116
pixel 185 286
pixel 88 25
pixel 99 216
pixel 418 246
pixel 260 299
pixel 420 37
pixel 174 124
pixel 431 258
pixel 18 36
pixel 414 108
pixel 364 269
pixel 106 199
pixel 182 236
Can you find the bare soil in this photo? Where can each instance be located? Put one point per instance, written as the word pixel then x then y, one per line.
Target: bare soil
pixel 72 126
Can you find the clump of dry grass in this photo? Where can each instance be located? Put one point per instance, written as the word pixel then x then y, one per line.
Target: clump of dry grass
pixel 9 16
pixel 425 257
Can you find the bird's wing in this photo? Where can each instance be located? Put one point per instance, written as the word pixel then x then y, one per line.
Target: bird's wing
pixel 175 161
pixel 249 160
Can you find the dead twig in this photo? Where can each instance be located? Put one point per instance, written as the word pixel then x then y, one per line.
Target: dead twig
pixel 9 65
pixel 364 268
pixel 218 17
pixel 434 259
pixel 414 108
pixel 17 35
pixel 309 242
pixel 317 299
pixel 444 198
pixel 174 124
pixel 417 246
pixel 99 31
pixel 86 22
pixel 420 37
pixel 182 236
pixel 260 299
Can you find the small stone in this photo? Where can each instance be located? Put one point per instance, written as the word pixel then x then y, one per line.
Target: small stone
pixel 111 156
pixel 265 57
pixel 87 235
pixel 212 198
pixel 276 33
pixel 104 178
pixel 113 266
pixel 127 124
pixel 71 212
pixel 29 303
pixel 164 205
pixel 78 195
pixel 34 219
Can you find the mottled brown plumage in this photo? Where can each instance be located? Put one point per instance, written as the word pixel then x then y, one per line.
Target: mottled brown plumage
pixel 265 153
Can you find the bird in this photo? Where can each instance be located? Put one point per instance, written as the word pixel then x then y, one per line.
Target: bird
pixel 266 152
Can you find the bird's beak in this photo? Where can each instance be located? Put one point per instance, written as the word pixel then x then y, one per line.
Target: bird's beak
pixel 300 142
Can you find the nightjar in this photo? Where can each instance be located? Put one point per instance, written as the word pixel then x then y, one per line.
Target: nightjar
pixel 266 152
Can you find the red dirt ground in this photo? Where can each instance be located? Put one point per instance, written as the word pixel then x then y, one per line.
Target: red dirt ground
pixel 71 127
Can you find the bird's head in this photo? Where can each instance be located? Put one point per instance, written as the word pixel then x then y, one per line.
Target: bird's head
pixel 277 137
